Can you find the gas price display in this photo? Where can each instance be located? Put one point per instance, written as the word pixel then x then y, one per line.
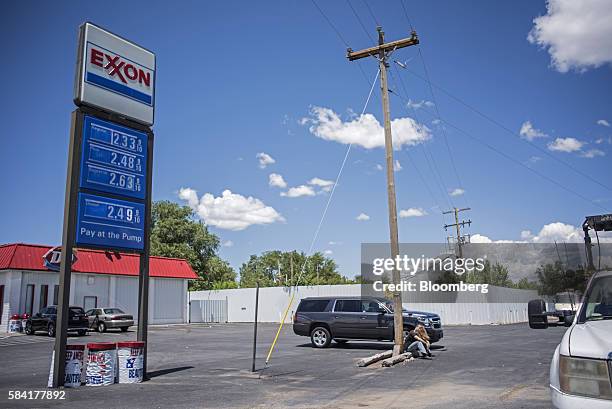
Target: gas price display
pixel 103 221
pixel 114 158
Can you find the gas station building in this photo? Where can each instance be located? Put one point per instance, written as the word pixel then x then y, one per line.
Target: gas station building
pixel 99 279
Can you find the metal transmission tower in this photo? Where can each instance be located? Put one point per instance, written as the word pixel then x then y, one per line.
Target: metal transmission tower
pixel 382 52
pixel 461 239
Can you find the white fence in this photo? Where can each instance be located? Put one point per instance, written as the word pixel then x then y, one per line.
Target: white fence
pixel 274 300
pixel 208 311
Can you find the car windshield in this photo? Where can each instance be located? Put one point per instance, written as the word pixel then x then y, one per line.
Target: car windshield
pixel 76 311
pixel 113 311
pixel 389 305
pixel 598 300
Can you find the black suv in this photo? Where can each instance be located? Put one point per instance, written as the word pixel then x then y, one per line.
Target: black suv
pixel 343 318
pixel 45 321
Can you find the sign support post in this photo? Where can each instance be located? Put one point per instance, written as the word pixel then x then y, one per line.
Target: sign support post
pixel 68 237
pixel 143 276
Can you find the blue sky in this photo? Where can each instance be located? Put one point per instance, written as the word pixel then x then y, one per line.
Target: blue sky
pixel 235 79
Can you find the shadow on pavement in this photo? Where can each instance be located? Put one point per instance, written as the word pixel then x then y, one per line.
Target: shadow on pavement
pixel 354 345
pixel 153 374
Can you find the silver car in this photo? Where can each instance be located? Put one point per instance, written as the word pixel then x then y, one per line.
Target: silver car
pixel 103 318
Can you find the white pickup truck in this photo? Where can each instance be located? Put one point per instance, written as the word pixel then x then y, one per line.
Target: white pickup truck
pixel 581 368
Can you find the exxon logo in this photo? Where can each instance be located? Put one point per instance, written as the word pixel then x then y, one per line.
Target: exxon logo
pixel 118 74
pixel 53 258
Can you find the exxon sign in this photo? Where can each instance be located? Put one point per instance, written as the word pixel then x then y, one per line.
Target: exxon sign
pixel 115 75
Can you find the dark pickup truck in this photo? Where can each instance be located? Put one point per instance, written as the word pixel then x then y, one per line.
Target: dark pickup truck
pixel 344 318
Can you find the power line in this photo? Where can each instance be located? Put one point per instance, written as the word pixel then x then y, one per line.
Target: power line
pixel 505 128
pixel 360 22
pixel 427 153
pixel 542 175
pixel 371 13
pixel 416 168
pixel 510 158
pixel 406 14
pixel 330 24
pixel 452 158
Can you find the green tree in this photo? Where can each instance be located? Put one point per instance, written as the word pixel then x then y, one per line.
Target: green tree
pixel 176 233
pixel 277 268
pixel 219 275
pixel 554 278
pixel 525 284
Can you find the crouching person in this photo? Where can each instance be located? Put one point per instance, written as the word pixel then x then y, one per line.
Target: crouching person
pixel 417 342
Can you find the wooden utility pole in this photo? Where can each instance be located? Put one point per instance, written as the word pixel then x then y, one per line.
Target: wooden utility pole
pixel 382 52
pixel 458 225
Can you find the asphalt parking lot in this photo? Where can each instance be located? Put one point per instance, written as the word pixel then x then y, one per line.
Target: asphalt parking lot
pixel 200 366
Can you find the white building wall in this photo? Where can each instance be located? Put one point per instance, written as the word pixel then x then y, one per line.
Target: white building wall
pixel 12 292
pixel 126 294
pixel 91 285
pixel 170 307
pixel 167 296
pixel 273 301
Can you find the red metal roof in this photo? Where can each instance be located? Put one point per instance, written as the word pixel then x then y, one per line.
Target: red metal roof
pixel 20 256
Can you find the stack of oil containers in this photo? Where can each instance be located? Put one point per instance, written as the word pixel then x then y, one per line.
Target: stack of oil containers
pixel 107 363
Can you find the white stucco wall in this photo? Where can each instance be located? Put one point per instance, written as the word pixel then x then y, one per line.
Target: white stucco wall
pixel 273 301
pixel 167 296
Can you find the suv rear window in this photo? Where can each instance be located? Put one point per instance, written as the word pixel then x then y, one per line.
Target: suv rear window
pixel 313 305
pixel 76 311
pixel 348 306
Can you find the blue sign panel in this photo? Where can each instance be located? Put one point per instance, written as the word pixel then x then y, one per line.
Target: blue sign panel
pixel 114 158
pixel 110 223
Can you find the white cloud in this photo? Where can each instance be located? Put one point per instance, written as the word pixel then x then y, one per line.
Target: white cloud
pixel 228 243
pixel 577 34
pixel 591 153
pixel 379 166
pixel 335 243
pixel 364 130
pixel 302 190
pixel 530 133
pixel 560 232
pixel 457 192
pixel 599 141
pixel 397 166
pixel 362 217
pixel 603 122
pixel 328 252
pixel 265 159
pixel 479 238
pixel 419 104
pixel 549 233
pixel 565 145
pixel 276 180
pixel 325 185
pixel 230 211
pixel 412 212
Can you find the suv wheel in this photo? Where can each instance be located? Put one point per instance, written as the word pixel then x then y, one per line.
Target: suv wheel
pixel 28 329
pixel 320 337
pixel 51 330
pixel 101 327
